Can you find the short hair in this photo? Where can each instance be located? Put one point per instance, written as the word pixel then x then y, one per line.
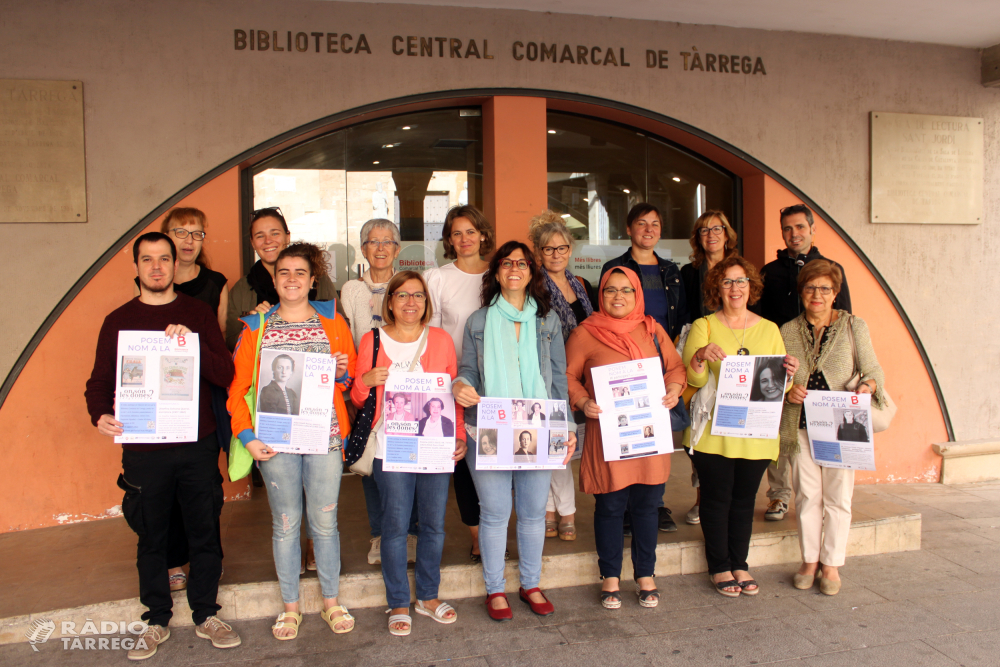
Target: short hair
pixel 379 223
pixel 536 286
pixel 269 212
pixel 427 406
pixel 478 220
pixel 527 433
pixel 794 210
pixel 395 283
pixel 152 237
pixel 318 266
pixel 182 216
pixel 543 227
pixel 698 256
pixel 712 286
pixel 398 394
pixel 274 362
pixel 820 268
pixel 641 209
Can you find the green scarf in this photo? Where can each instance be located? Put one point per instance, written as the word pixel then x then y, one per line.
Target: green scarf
pixel 510 363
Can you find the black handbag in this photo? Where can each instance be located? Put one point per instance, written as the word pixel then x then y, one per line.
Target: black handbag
pixel 354 448
pixel 679 417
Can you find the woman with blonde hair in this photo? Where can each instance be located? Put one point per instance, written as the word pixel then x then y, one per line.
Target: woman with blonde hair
pixel 572 298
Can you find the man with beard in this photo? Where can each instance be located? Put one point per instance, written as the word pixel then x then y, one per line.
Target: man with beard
pixel 155 474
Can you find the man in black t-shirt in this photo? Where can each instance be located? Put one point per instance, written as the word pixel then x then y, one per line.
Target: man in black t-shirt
pixel 154 475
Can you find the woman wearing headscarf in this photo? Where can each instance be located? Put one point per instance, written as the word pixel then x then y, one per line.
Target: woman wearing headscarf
pixel 621 331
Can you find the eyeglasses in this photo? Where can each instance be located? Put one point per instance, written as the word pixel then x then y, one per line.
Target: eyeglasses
pixel 403 297
pixel 614 291
pixel 550 250
pixel 728 283
pixel 705 231
pixel 521 264
pixel 822 289
pixel 381 244
pixel 182 233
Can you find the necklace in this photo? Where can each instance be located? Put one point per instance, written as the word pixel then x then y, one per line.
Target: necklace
pixel 742 351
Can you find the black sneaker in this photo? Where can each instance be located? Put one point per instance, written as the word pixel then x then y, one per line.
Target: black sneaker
pixel 666 522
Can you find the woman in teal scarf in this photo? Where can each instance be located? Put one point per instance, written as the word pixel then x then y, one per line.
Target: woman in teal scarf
pixel 513 348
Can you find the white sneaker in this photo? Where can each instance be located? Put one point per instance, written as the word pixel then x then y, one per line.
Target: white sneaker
pixel 693 516
pixel 411 548
pixel 375 553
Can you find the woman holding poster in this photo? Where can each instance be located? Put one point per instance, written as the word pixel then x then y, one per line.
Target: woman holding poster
pixel 406 337
pixel 299 325
pixel 621 331
pixel 820 336
pixel 513 348
pixel 730 468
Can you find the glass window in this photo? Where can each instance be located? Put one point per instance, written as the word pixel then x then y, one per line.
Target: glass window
pixel 598 170
pixel 409 169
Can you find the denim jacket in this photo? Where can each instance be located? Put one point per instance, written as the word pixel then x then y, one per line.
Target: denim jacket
pixel 551 357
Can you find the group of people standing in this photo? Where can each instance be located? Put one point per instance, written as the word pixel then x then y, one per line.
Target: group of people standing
pixel 511 322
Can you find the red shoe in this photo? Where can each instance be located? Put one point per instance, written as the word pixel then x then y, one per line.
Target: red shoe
pixel 539 608
pixel 499 615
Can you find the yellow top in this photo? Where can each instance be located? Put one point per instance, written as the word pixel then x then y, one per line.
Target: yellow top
pixel 762 338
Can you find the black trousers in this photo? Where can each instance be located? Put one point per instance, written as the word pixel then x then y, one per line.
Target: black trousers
pixel 152 480
pixel 728 492
pixel 640 501
pixel 465 493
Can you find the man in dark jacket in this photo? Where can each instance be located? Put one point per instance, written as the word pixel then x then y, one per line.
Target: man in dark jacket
pixel 780 303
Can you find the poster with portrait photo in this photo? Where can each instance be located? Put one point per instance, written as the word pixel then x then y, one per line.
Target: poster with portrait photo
pixel 156 387
pixel 295 401
pixel 838 424
pixel 508 443
pixel 419 420
pixel 748 400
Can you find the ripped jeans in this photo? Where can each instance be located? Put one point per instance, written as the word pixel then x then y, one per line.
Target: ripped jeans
pixel 285 477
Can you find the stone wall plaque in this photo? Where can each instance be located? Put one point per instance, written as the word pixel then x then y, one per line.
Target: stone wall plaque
pixel 926 169
pixel 42 166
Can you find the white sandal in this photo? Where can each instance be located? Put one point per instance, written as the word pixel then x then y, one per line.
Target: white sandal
pixel 399 618
pixel 439 612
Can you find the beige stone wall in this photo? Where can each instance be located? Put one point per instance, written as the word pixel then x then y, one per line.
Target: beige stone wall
pixel 167 98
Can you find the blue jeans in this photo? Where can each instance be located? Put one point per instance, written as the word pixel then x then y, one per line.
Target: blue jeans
pixel 531 491
pixel 373 503
pixel 285 477
pixel 400 492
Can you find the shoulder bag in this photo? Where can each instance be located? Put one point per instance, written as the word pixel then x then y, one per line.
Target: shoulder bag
pixel 240 460
pixel 366 430
pixel 702 403
pixel 679 418
pixel 881 417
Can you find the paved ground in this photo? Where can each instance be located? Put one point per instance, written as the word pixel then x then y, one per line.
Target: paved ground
pixel 937 606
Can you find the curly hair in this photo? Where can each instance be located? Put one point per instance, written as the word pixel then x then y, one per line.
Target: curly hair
pixel 713 281
pixel 478 220
pixel 313 254
pixel 704 220
pixel 536 286
pixel 543 227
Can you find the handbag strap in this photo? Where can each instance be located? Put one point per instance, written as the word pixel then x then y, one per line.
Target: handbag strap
pixel 256 359
pixel 420 350
pixel 854 347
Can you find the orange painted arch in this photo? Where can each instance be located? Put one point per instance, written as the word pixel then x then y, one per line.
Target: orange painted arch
pixel 61 471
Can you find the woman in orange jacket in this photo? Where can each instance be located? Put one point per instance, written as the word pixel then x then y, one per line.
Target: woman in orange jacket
pixel 298 325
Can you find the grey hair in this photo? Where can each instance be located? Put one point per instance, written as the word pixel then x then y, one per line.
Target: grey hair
pixel 379 223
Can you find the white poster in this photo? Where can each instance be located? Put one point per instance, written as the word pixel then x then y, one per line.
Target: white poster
pixel 157 378
pixel 839 428
pixel 419 418
pixel 634 422
pixel 749 398
pixel 295 401
pixel 521 434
